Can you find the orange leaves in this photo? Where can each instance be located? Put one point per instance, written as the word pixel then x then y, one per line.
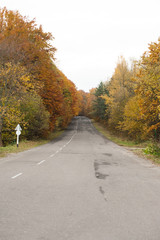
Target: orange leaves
pixel 86 102
pixel 29 48
pixel 23 41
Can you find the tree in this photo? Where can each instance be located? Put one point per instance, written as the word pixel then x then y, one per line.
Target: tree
pixel 14 84
pixel 120 89
pixel 35 116
pixel 132 122
pixel 86 102
pixel 25 44
pixel 99 106
pixel 22 41
pixel 148 88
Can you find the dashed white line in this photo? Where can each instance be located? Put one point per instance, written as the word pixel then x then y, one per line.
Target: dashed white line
pixel 19 174
pixel 41 162
pixel 60 149
pixel 52 155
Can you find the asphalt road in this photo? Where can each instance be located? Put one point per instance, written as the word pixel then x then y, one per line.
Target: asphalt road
pixel 79 187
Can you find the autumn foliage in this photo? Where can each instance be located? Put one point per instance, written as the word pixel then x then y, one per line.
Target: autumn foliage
pixel 129 104
pixel 33 91
pixel 38 96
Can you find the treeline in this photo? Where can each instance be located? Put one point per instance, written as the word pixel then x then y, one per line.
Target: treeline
pixel 129 104
pixel 33 91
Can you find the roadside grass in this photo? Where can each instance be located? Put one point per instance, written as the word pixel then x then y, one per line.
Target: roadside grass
pixel 152 151
pixel 147 149
pixel 119 140
pixel 27 144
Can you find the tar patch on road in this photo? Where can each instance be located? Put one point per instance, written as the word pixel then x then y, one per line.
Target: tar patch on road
pixel 100 169
pixel 107 154
pixel 103 193
pixel 101 176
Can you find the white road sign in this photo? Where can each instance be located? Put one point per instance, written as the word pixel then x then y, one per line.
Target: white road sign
pixel 18 128
pixel 18 132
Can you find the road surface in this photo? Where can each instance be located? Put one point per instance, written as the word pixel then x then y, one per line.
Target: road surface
pixel 79 187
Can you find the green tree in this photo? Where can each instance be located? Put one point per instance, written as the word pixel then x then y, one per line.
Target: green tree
pixel 99 105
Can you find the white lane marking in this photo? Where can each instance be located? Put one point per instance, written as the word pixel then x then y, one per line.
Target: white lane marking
pixel 52 155
pixel 41 162
pixel 19 174
pixel 61 148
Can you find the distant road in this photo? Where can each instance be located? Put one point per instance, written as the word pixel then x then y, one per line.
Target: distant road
pixel 79 187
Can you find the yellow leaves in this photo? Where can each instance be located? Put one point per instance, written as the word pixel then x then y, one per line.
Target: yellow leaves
pixel 14 84
pixel 133 97
pixel 133 121
pixel 108 100
pixel 148 87
pixel 12 116
pixel 31 70
pixel 159 103
pixel 14 78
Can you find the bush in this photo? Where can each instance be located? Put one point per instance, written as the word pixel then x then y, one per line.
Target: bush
pixel 36 116
pixel 152 149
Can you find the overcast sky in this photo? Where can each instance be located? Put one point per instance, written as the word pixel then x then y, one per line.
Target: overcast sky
pixel 90 35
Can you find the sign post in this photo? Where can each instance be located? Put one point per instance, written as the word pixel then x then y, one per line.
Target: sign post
pixel 18 130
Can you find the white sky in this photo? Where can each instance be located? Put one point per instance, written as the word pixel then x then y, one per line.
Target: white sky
pixel 90 35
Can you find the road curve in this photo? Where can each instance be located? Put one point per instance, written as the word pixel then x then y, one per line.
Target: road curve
pixel 79 187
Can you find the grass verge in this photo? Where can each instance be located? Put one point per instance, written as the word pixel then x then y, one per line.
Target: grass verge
pixel 119 140
pixel 143 149
pixel 25 144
